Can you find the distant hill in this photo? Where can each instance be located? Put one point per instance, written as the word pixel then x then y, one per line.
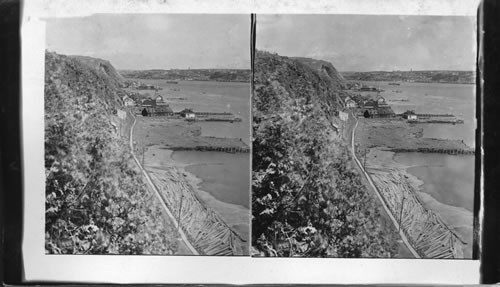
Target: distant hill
pixel 307 198
pixel 221 75
pixel 450 77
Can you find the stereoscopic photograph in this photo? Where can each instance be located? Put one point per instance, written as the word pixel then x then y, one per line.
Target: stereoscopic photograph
pixel 364 136
pixel 147 134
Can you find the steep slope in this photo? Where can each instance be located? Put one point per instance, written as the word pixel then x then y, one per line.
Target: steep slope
pixel 325 69
pixel 96 202
pixel 106 70
pixel 307 199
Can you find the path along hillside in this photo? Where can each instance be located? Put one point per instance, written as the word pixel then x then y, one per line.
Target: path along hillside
pixel 96 201
pixel 308 199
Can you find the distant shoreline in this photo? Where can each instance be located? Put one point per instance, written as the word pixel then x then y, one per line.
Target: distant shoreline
pixel 409 82
pixel 197 80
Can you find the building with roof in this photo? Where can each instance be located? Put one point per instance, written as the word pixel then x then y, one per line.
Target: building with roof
pixel 410 115
pixel 128 101
pixel 157 111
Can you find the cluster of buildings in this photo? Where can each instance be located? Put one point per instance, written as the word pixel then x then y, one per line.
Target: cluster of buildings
pixel 140 86
pixel 148 107
pixel 370 107
pixel 355 86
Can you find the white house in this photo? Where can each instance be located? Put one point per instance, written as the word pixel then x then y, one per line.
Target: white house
pixel 380 100
pixel 190 116
pixel 160 101
pixel 128 101
pixel 410 115
pixel 343 116
pixel 350 103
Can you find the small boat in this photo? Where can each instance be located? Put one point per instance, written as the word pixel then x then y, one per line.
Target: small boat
pixel 394 84
pixel 172 82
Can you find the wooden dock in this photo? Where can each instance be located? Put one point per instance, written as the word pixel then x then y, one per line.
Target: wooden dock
pixel 204 227
pixel 462 151
pixel 435 116
pixel 230 149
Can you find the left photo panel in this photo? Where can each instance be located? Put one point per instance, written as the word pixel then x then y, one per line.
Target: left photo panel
pixel 147 134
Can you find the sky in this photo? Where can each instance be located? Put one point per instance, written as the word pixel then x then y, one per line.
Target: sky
pixel 372 42
pixel 155 41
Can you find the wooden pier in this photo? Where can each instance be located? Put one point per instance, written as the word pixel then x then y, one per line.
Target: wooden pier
pixel 214 148
pixel 435 115
pixel 437 150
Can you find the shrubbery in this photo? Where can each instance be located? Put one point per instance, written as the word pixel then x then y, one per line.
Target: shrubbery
pixel 96 202
pixel 307 199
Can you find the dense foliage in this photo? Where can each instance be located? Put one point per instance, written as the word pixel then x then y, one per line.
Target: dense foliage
pixel 307 198
pixel 96 202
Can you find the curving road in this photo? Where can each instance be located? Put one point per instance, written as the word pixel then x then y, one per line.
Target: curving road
pixel 157 193
pixel 394 221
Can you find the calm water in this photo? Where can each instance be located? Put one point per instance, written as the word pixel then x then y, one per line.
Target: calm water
pixel 210 97
pixel 433 98
pixel 226 176
pixel 449 179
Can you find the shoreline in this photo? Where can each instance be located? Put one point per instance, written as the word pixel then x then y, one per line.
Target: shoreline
pixel 457 219
pixel 235 216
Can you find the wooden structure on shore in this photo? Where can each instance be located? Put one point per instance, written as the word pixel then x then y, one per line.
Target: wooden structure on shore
pixel 230 149
pixel 450 151
pixel 204 227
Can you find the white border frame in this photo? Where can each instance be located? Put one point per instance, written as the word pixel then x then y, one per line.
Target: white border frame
pixel 200 269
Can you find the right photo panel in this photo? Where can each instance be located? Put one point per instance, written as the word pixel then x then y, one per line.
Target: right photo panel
pixel 364 136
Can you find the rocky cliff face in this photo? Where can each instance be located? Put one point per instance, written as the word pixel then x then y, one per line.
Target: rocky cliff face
pixel 325 70
pixel 82 80
pixel 101 66
pixel 307 199
pixel 277 76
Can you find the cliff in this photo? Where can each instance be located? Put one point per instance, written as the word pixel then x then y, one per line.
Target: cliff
pixel 307 198
pixel 96 202
pixel 325 70
pixel 103 67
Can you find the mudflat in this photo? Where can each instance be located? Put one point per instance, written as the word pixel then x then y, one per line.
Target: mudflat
pixel 178 134
pixel 394 134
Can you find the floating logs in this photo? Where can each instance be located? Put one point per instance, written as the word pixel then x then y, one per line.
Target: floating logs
pixel 205 229
pixel 425 230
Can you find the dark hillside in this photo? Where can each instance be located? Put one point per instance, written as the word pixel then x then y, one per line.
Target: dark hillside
pixel 307 199
pixel 106 70
pixel 96 202
pixel 325 69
